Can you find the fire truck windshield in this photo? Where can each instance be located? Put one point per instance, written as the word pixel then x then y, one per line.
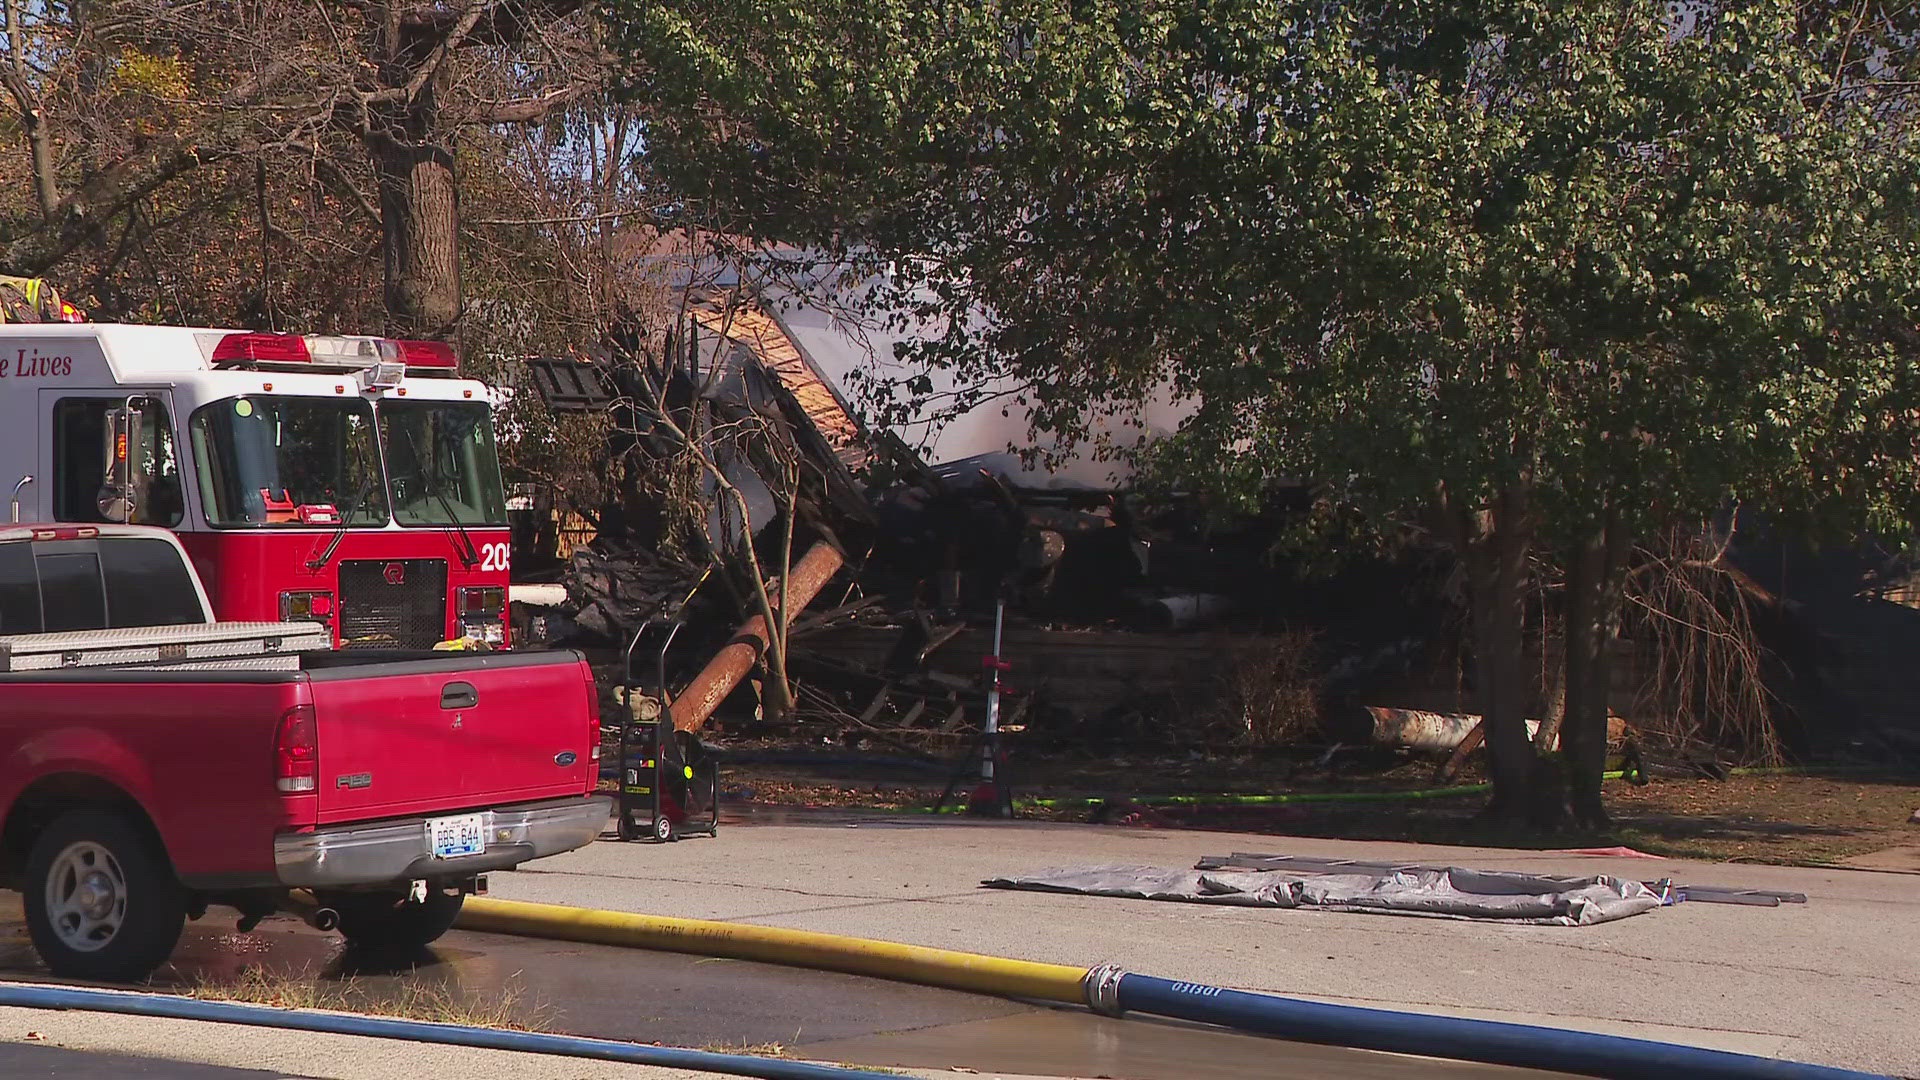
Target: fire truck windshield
pixel 441 464
pixel 268 462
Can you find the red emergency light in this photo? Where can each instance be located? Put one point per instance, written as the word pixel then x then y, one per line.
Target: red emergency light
pixel 429 354
pixel 270 348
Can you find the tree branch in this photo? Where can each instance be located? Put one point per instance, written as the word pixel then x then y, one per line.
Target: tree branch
pixel 532 109
pixel 120 186
pixel 504 24
pixel 337 179
pixel 33 118
pixel 579 219
pixel 453 38
pixel 102 197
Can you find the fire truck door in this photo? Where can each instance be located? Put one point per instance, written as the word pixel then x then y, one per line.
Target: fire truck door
pixel 110 455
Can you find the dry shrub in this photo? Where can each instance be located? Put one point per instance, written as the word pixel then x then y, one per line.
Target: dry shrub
pixel 1691 614
pixel 1271 694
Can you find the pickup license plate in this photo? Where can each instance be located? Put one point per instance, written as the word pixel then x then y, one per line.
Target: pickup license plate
pixel 456 836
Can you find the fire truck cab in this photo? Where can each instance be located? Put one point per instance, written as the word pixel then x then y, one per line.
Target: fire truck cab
pixel 348 480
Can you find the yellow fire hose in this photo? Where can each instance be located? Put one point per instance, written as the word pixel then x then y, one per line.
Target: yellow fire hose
pixel 1111 991
pixel 773 945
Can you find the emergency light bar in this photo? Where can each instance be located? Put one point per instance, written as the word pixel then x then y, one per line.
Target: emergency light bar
pixel 340 352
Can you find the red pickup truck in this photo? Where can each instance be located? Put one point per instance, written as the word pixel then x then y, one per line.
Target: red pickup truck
pixel 154 762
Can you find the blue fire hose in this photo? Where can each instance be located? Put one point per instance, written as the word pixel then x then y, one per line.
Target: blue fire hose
pixel 1111 991
pixel 1525 1046
pixel 179 1008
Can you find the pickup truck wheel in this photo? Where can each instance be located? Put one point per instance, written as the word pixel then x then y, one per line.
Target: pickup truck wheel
pixel 101 903
pixel 389 922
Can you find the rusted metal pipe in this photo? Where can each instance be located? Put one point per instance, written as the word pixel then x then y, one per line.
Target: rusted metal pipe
pixel 696 701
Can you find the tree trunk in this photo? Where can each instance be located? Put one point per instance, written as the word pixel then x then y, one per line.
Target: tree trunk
pixel 33 118
pixel 1593 617
pixel 420 232
pixel 41 142
pixel 1553 691
pixel 419 199
pixel 1496 550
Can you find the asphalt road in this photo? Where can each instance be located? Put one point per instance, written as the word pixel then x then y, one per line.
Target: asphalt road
pixel 729 1005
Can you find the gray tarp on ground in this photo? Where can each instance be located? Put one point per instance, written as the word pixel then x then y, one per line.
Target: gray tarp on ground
pixel 1438 893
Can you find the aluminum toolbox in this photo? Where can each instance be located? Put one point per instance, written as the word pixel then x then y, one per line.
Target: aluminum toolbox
pixel 220 645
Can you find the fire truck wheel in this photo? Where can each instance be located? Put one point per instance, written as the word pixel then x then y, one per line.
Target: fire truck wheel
pixel 390 922
pixel 101 901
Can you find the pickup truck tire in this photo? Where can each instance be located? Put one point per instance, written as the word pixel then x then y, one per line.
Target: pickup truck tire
pixel 101 901
pixel 386 922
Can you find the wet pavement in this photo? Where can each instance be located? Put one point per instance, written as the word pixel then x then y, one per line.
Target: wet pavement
pixel 588 990
pixel 699 1002
pixel 54 1063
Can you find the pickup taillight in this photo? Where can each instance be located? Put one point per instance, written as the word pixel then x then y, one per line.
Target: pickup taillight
pixel 296 751
pixel 593 714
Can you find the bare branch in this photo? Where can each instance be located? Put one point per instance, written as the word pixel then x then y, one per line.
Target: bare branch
pixel 532 109
pixel 504 23
pixel 578 219
pixel 343 185
pixel 454 37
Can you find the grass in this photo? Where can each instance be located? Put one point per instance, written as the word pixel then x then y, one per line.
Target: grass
pixel 1787 820
pixel 766 1050
pixel 412 999
pixel 1770 819
pixel 407 999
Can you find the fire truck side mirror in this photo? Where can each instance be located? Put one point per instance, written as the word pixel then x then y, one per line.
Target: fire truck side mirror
pixel 126 465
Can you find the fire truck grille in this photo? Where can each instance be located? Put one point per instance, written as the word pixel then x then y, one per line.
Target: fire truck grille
pixel 396 603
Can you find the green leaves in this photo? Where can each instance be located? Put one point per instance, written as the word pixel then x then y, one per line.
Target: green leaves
pixel 1649 256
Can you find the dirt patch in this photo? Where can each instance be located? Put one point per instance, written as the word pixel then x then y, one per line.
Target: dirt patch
pixel 1769 818
pixel 1772 818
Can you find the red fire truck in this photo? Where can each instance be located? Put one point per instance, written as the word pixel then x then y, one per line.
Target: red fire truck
pixel 348 480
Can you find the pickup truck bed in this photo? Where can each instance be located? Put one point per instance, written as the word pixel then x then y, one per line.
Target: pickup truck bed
pixel 371 774
pixel 395 736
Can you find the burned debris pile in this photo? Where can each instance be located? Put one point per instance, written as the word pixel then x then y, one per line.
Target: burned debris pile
pixel 1121 624
pixel 729 456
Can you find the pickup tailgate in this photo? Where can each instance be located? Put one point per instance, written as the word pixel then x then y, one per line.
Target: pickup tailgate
pixel 468 731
